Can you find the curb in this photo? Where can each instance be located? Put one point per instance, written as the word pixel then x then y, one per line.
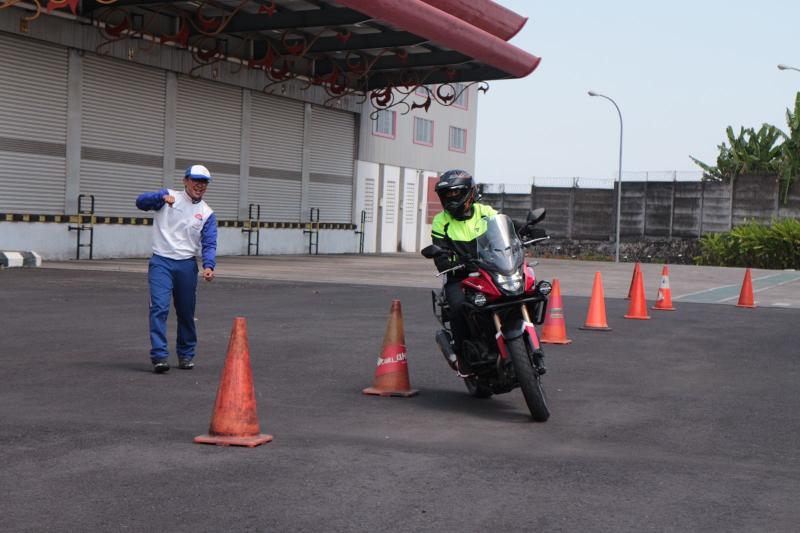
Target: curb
pixel 19 259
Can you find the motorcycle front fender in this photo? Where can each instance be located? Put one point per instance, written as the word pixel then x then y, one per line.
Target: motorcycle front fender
pixel 513 329
pixel 517 328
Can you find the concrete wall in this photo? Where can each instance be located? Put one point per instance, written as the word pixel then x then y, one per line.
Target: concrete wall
pixel 654 209
pixel 755 198
pixel 687 210
pixel 791 207
pixel 593 214
pixel 716 212
pixel 559 203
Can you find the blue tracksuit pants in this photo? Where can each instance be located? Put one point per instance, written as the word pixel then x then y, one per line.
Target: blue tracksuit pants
pixel 176 280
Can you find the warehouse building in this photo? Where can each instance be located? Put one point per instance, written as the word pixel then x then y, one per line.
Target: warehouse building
pixel 323 123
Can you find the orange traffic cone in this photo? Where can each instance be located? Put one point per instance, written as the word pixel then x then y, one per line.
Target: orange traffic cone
pixel 638 307
pixel 234 421
pixel 746 295
pixel 391 375
pixel 664 296
pixel 596 318
pixel 636 268
pixel 554 330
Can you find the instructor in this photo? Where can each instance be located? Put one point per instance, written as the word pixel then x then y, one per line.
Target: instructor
pixel 184 226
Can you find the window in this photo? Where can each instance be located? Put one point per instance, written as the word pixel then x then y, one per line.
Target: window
pixel 384 124
pixel 461 99
pixel 458 139
pixel 423 131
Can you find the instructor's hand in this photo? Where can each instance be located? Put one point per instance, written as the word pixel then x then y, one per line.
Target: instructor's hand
pixel 169 199
pixel 208 274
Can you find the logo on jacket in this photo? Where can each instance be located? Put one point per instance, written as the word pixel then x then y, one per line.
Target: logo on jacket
pixel 198 216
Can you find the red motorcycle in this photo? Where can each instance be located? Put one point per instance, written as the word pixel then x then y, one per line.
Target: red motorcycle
pixel 502 303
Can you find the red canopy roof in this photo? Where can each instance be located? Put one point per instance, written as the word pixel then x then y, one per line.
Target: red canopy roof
pixel 484 14
pixel 440 27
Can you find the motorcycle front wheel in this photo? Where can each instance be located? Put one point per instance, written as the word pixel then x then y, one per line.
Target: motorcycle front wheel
pixel 529 380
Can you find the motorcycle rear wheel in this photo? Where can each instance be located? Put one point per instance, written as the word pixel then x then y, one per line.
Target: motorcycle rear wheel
pixel 529 380
pixel 476 389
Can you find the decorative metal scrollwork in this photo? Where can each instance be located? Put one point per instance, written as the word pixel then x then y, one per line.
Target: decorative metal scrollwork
pixel 398 97
pixel 288 59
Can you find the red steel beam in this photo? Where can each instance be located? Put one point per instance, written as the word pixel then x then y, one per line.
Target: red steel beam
pixel 417 17
pixel 485 14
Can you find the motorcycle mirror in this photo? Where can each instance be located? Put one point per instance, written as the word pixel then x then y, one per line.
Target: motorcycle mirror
pixel 536 215
pixel 431 251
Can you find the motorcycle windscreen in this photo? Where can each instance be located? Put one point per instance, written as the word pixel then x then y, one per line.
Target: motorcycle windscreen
pixel 499 248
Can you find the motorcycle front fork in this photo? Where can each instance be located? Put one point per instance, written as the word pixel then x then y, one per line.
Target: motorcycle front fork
pixel 501 341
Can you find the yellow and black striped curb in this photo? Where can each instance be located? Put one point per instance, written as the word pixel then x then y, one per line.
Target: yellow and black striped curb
pixel 144 221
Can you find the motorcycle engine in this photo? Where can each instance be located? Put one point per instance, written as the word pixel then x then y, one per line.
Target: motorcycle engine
pixel 475 353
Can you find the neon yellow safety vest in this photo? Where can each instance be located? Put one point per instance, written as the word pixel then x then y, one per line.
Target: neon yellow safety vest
pixel 462 230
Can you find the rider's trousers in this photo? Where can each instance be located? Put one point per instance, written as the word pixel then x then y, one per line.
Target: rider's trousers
pixel 458 321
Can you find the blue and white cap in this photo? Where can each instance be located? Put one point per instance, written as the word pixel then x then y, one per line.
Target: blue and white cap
pixel 198 172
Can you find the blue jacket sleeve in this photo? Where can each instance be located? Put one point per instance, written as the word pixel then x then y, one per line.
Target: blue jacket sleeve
pixel 151 201
pixel 208 240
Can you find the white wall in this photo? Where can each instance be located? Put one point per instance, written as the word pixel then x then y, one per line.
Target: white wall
pixel 54 242
pixel 403 152
pixel 367 196
pixel 408 211
pixel 390 203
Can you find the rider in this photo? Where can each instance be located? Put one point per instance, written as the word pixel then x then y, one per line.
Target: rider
pixel 456 228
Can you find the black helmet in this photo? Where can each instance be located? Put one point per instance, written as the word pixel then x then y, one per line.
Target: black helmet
pixel 458 205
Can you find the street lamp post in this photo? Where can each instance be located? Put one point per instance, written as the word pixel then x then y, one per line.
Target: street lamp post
pixel 787 67
pixel 619 179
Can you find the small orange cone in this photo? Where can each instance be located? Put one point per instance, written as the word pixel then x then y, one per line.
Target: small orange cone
pixel 664 296
pixel 746 295
pixel 636 269
pixel 554 330
pixel 391 375
pixel 234 421
pixel 596 317
pixel 638 307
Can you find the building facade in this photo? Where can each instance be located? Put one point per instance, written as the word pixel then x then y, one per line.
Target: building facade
pixel 88 123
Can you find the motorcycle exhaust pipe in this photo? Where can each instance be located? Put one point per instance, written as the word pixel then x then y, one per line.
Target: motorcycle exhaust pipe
pixel 443 340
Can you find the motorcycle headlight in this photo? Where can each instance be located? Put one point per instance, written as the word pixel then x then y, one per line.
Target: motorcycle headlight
pixel 478 298
pixel 512 283
pixel 544 287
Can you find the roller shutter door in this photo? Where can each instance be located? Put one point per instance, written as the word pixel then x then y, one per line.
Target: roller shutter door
pixel 331 164
pixel 33 126
pixel 208 132
pixel 276 156
pixel 122 133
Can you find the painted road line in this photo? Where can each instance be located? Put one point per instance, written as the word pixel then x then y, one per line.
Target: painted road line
pixel 729 292
pixel 771 286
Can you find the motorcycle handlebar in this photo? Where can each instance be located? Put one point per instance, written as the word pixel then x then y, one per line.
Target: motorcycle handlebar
pixel 532 241
pixel 457 267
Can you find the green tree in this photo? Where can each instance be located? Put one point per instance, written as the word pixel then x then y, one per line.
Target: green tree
pixel 789 169
pixel 769 151
pixel 750 152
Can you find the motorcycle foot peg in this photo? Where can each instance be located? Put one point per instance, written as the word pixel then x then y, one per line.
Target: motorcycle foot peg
pixel 443 340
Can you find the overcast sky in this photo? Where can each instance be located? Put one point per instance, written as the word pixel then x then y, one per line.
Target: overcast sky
pixel 680 71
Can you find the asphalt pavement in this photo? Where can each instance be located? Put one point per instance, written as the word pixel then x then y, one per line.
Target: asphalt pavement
pixel 685 422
